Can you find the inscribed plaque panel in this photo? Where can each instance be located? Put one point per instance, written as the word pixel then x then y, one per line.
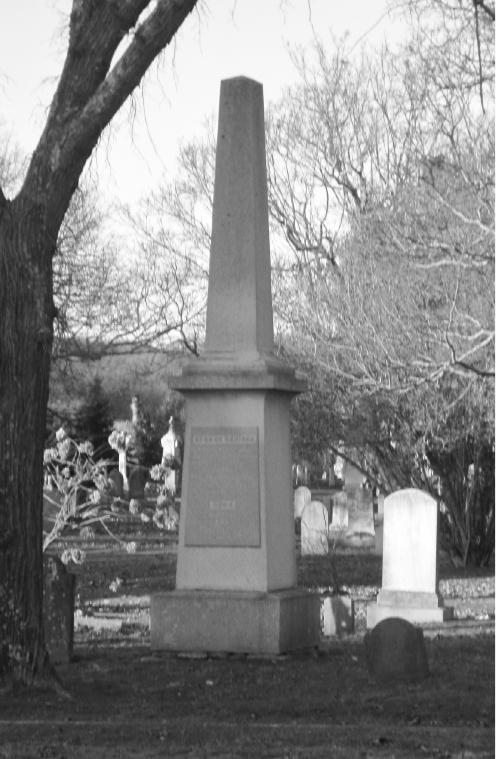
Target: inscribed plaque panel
pixel 223 507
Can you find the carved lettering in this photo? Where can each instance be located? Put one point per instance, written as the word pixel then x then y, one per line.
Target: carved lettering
pixel 223 488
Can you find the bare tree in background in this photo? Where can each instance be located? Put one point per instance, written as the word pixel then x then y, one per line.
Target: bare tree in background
pixel 108 303
pixel 384 189
pixel 381 196
pixel 172 228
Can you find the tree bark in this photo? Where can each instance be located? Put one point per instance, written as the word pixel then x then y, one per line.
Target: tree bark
pixel 26 314
pixel 91 89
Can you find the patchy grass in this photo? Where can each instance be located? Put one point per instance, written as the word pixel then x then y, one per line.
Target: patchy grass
pixel 128 701
pixel 359 573
pixel 132 702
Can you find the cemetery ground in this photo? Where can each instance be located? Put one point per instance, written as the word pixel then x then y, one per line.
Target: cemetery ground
pixel 128 701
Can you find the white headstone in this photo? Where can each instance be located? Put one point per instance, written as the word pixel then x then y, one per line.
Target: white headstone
pixel 339 468
pixel 409 560
pixel 123 470
pixel 302 497
pixel 314 529
pixel 170 443
pixel 410 542
pixel 339 513
pixel 170 480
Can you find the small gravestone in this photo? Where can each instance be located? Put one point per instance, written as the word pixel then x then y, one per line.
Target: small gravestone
pixel 360 515
pixel 170 445
pixel 58 609
pixel 299 474
pixel 314 529
pixel 116 481
pixel 339 521
pixel 339 468
pixel 137 481
pixel 302 497
pixel 409 561
pixel 395 650
pixel 170 481
pixel 171 457
pixel 360 507
pixel 337 615
pixel 353 477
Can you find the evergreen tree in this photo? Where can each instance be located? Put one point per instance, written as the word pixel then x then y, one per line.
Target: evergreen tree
pixel 94 419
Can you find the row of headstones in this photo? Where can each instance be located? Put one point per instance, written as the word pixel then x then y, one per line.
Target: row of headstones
pixel 135 486
pixel 138 478
pixel 350 513
pixel 409 558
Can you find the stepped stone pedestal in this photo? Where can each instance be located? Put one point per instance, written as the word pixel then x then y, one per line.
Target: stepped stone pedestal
pixel 236 568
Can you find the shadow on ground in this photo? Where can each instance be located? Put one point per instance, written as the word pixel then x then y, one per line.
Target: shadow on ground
pixel 129 701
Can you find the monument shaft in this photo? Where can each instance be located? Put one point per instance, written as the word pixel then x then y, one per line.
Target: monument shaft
pixel 239 306
pixel 236 549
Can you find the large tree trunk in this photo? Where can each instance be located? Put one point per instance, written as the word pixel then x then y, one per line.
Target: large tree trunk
pixel 26 314
pixel 92 87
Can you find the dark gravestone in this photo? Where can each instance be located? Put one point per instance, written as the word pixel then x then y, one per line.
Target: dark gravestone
pixel 58 609
pixel 116 483
pixel 395 650
pixel 137 481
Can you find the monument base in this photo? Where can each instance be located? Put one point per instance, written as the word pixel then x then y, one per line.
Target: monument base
pixel 417 608
pixel 234 621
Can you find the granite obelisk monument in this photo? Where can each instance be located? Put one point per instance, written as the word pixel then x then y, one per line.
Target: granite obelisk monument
pixel 236 568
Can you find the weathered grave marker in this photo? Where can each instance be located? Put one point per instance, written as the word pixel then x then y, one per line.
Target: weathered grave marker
pixel 171 457
pixel 337 615
pixel 236 567
pixel 395 650
pixel 339 517
pixel 361 527
pixel 116 483
pixel 353 477
pixel 360 507
pixel 314 529
pixel 58 609
pixel 137 481
pixel 302 497
pixel 409 561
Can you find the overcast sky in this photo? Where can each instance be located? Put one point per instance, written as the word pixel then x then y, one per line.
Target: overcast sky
pixel 223 38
